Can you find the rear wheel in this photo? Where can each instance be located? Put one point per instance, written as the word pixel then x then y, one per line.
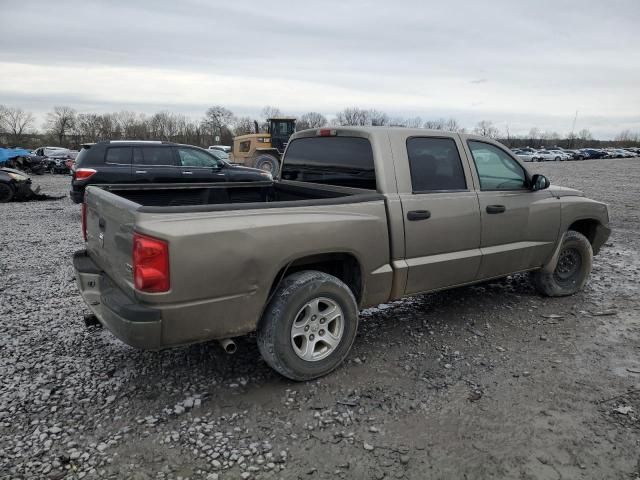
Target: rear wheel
pixel 268 163
pixel 572 270
pixel 557 159
pixel 6 192
pixel 308 328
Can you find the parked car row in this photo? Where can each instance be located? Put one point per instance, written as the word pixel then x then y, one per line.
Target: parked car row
pixel 560 154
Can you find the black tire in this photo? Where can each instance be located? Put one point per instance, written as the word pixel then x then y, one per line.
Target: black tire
pixel 268 163
pixel 557 159
pixel 275 328
pixel 572 271
pixel 6 192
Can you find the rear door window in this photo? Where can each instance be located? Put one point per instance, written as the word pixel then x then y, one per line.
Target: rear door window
pixel 435 165
pixel 341 161
pixel 160 156
pixel 118 155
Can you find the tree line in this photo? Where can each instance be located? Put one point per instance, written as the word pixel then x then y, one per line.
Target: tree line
pixel 64 126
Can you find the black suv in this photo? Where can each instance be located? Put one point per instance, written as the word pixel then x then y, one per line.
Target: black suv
pixel 152 162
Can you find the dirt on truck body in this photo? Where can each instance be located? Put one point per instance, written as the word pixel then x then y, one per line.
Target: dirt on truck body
pixel 357 217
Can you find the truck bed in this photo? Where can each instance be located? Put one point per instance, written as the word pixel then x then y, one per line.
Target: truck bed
pixel 176 198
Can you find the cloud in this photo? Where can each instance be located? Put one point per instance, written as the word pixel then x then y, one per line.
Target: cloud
pixel 409 58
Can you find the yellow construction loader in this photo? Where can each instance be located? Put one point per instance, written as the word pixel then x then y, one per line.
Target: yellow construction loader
pixel 264 150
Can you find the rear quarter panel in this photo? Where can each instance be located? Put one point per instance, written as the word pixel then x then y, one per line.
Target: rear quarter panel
pixel 223 264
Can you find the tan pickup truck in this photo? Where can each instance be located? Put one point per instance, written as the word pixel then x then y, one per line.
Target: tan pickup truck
pixel 356 217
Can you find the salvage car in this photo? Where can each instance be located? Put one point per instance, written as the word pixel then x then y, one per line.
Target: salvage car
pixel 357 217
pixel 138 161
pixel 14 185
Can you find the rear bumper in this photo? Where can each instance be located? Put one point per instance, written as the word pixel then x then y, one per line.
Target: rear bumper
pixel 135 324
pixel 77 195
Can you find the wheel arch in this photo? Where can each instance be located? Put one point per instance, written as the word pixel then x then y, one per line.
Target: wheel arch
pixel 342 265
pixel 587 227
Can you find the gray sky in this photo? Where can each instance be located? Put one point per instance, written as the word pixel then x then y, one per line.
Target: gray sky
pixel 518 63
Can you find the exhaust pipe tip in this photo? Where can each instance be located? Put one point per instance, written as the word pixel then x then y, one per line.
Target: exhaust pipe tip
pixel 228 345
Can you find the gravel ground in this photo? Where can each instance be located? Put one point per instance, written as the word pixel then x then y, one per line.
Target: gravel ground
pixel 489 381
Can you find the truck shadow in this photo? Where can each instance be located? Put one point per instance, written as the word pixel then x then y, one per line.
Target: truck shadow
pixel 205 370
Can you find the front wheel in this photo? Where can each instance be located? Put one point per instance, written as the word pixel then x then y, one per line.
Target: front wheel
pixel 572 270
pixel 268 163
pixel 309 326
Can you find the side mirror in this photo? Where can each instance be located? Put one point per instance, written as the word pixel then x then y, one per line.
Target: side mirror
pixel 539 182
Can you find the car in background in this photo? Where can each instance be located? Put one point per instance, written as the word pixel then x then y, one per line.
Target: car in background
pixel 561 155
pixel 620 153
pixel 226 149
pixel 61 161
pixel 524 155
pixel 14 184
pixel 49 151
pixel 594 153
pixel 220 154
pixel 545 156
pixel 575 154
pixel 138 161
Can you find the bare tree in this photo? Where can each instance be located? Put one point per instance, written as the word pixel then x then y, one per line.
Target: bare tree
pixel 60 122
pixel 215 119
pixel 434 124
pixel 452 125
pixel 378 119
pixel 626 137
pixel 311 120
pixel 585 135
pixel 270 112
pixel 243 126
pixel 15 122
pixel 353 116
pixel 87 127
pixel 415 122
pixel 486 129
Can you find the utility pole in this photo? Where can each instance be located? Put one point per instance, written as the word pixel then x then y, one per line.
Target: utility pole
pixel 573 128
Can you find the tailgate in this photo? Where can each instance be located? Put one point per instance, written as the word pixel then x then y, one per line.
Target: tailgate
pixel 110 222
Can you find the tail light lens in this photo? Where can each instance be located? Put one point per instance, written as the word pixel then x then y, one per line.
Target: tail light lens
pixel 150 264
pixel 84 221
pixel 83 173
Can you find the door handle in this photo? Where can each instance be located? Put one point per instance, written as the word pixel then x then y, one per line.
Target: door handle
pixel 141 171
pixel 496 208
pixel 187 173
pixel 418 215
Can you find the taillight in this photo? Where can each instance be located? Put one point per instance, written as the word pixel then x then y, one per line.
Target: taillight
pixel 150 264
pixel 83 173
pixel 84 221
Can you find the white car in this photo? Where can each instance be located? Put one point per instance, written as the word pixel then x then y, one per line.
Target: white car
pixel 523 155
pixel 224 148
pixel 562 154
pixel 620 153
pixel 50 151
pixel 545 156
